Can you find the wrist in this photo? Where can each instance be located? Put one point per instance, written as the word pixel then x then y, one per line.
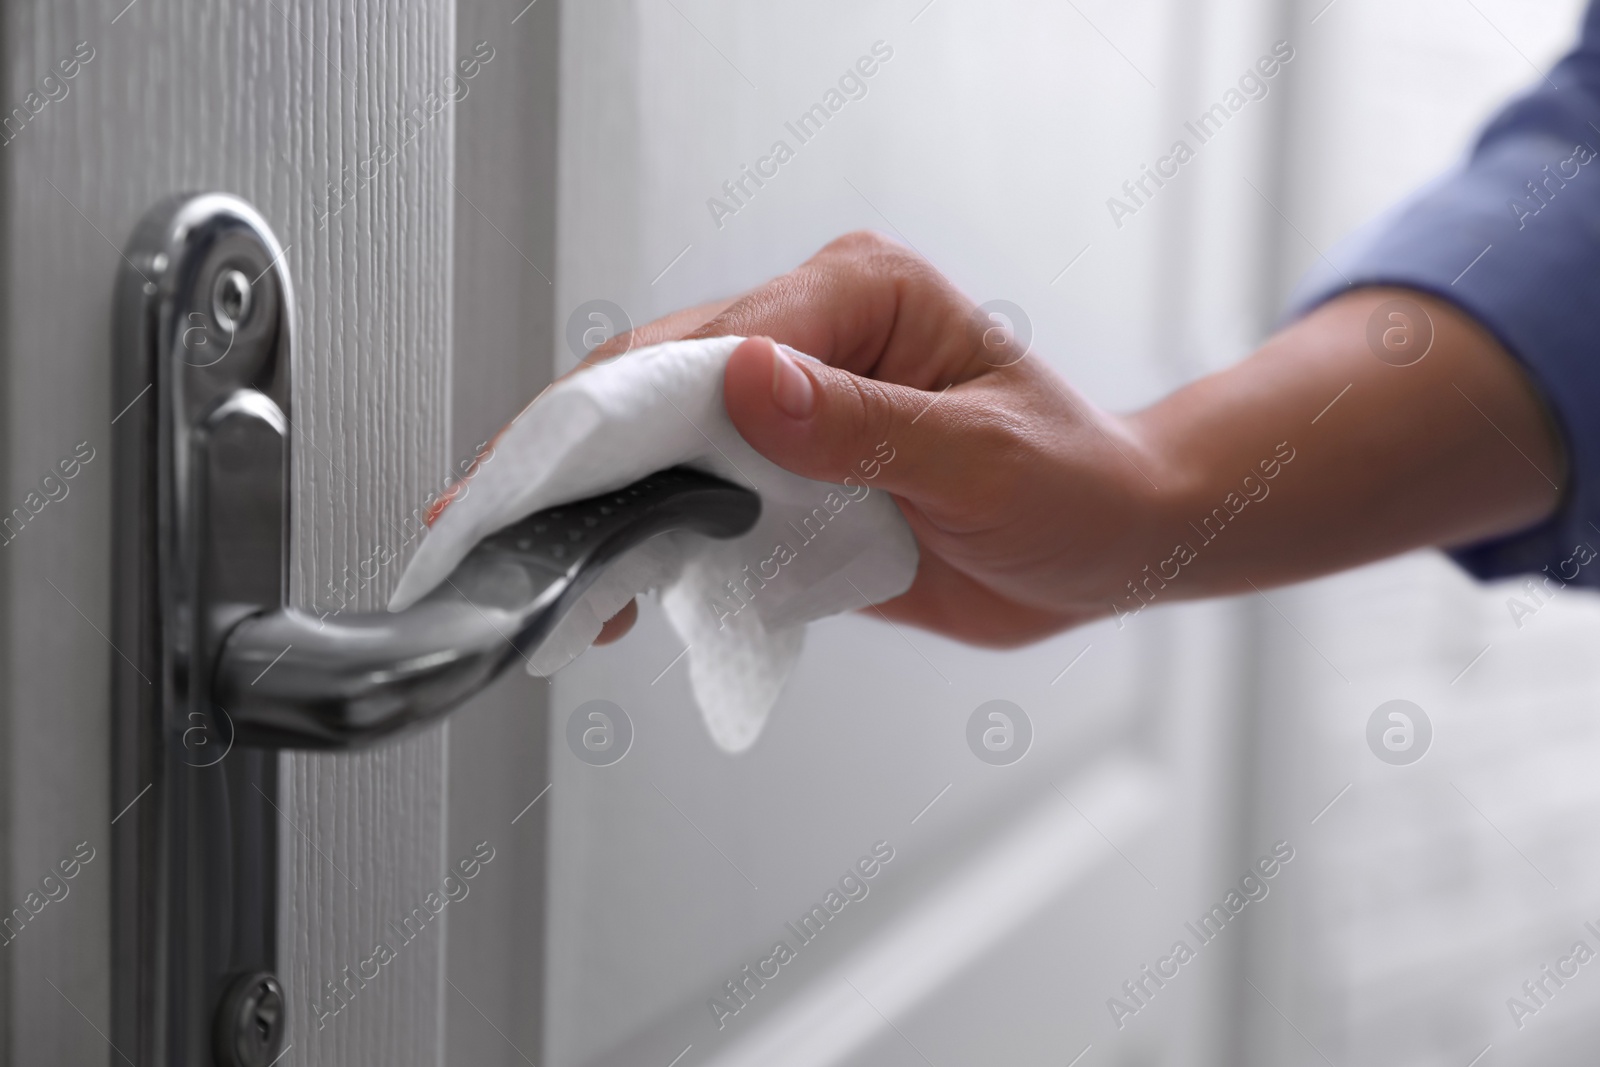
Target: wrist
pixel 1212 476
pixel 1165 479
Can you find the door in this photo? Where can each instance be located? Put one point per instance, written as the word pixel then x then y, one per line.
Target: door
pixel 1169 756
pixel 343 125
pixel 1021 894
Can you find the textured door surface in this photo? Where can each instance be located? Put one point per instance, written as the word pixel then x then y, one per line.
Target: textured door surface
pixel 336 121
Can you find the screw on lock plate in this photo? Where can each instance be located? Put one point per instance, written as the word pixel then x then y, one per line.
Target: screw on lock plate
pixel 251 1022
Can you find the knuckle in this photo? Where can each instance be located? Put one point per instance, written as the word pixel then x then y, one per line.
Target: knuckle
pixel 873 247
pixel 878 259
pixel 860 241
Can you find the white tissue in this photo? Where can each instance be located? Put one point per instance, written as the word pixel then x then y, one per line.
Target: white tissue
pixel 739 605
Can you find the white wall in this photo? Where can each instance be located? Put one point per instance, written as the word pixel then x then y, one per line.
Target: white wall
pixel 1430 904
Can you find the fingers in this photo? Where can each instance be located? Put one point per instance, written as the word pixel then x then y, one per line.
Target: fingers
pixel 949 602
pixel 870 306
pixel 669 327
pixel 618 625
pixel 937 449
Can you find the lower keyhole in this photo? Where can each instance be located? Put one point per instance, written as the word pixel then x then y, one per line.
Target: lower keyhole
pixel 266 1019
pixel 250 1022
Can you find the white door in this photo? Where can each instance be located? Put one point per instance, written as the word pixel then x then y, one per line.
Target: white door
pixel 1175 753
pixel 1020 897
pixel 372 139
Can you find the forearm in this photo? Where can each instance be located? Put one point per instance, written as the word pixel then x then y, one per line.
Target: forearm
pixel 1313 454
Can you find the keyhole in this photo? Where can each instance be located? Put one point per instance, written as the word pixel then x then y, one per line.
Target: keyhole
pixel 250 1022
pixel 264 1016
pixel 231 299
pixel 268 1007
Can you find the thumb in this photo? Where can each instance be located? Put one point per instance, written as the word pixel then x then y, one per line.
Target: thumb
pixel 828 424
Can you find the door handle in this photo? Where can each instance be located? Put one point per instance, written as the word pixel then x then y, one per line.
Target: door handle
pixel 214 669
pixel 288 677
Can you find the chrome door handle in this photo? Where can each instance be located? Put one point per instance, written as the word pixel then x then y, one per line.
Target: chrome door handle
pixel 213 668
pixel 288 677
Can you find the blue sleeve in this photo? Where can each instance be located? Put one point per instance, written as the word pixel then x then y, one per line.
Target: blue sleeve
pixel 1512 236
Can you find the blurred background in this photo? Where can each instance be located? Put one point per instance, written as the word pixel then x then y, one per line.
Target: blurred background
pixel 1166 757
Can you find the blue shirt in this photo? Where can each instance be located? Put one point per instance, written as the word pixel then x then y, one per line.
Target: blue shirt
pixel 1512 236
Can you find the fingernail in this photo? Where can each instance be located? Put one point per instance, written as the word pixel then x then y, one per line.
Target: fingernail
pixel 792 390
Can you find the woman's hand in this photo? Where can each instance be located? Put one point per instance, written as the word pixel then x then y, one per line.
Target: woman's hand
pixel 1036 511
pixel 1025 499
